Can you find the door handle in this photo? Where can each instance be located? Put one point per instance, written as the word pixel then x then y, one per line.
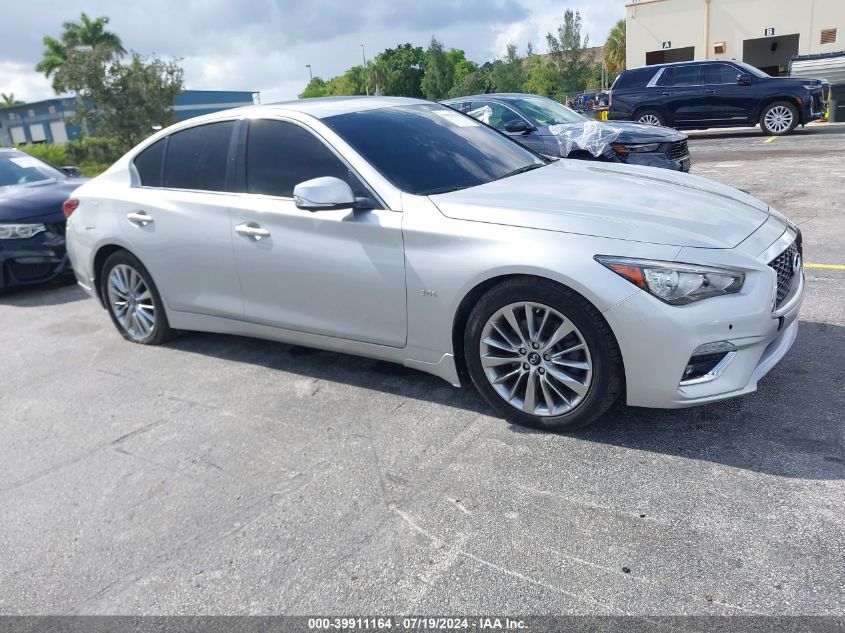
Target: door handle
pixel 711 92
pixel 140 218
pixel 253 230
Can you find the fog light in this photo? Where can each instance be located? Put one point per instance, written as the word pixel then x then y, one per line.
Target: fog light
pixel 713 348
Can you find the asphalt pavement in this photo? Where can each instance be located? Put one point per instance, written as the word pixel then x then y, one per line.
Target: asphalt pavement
pixel 223 475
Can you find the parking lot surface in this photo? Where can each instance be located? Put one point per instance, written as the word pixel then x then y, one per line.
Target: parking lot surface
pixel 227 475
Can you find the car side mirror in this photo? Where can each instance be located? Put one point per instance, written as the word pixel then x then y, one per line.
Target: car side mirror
pixel 71 171
pixel 517 125
pixel 743 79
pixel 323 194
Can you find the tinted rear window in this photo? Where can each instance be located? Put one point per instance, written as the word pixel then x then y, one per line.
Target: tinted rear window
pixel 149 163
pixel 427 149
pixel 197 157
pixel 680 76
pixel 636 78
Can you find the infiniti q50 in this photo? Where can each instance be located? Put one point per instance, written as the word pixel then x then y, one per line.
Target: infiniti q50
pixel 406 231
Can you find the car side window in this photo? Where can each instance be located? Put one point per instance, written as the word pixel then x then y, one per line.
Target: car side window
pixel 148 164
pixel 720 74
pixel 680 76
pixel 197 158
pixel 493 114
pixel 280 155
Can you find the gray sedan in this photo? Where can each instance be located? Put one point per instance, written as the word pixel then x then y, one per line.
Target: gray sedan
pixel 550 128
pixel 402 230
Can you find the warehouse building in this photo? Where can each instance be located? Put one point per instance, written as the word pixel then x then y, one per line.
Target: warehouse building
pixel 763 33
pixel 50 121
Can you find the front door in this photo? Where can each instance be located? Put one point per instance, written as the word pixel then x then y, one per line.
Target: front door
pixel 725 101
pixel 335 273
pixel 498 115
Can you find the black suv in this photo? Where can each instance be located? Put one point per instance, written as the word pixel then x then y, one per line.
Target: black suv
pixel 700 95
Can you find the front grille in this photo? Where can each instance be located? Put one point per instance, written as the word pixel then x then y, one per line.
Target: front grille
pixel 783 265
pixel 58 228
pixel 30 272
pixel 677 150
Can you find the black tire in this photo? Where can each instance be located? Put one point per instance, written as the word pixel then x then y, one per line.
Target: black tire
pixel 767 128
pixel 607 371
pixel 658 116
pixel 160 330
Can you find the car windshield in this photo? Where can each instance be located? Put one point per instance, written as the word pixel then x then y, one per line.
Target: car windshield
pixel 17 168
pixel 545 111
pixel 752 70
pixel 426 149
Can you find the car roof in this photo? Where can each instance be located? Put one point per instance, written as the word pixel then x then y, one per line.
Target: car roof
pixel 322 107
pixel 694 61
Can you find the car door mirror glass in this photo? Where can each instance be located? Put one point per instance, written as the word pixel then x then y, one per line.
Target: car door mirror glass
pixel 323 194
pixel 743 79
pixel 71 171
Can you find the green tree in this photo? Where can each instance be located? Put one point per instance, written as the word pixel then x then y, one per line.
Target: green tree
pixel 540 79
pixel 566 56
pixel 508 74
pixel 405 67
pixel 477 82
pixel 90 34
pixel 614 49
pixel 439 72
pixel 380 73
pixel 8 100
pixel 352 82
pixel 122 101
pixel 315 88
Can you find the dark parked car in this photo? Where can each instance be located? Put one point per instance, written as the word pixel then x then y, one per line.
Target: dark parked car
pixel 552 129
pixel 706 94
pixel 32 223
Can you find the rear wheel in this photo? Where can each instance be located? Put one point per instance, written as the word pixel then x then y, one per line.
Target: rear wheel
pixel 651 117
pixel 779 118
pixel 133 302
pixel 542 355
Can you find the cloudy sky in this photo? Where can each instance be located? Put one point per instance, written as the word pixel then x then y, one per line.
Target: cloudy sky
pixel 264 45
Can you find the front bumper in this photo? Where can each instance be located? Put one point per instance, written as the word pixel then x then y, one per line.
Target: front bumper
pixel 659 159
pixel 34 260
pixel 657 340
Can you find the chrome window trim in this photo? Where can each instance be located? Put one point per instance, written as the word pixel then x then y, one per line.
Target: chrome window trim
pixel 653 81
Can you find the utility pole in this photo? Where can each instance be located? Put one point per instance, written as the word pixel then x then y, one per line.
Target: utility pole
pixel 366 83
pixel 310 74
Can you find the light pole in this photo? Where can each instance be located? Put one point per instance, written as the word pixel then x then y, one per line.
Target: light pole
pixel 310 74
pixel 366 83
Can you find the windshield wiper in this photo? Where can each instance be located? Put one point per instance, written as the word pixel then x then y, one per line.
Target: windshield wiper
pixel 522 170
pixel 434 192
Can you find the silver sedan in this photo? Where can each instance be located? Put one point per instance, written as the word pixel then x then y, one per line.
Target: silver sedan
pixel 402 230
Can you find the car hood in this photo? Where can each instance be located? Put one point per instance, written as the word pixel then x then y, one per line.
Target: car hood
pixel 39 201
pixel 629 132
pixel 625 202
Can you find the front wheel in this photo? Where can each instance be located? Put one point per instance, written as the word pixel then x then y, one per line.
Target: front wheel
pixel 778 118
pixel 542 355
pixel 133 302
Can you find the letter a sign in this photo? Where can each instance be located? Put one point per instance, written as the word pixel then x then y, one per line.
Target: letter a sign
pixel 667 45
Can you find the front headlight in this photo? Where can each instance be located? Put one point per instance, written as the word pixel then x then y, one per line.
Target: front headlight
pixel 674 283
pixel 624 150
pixel 20 231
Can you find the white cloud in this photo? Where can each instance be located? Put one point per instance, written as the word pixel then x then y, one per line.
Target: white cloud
pixel 264 45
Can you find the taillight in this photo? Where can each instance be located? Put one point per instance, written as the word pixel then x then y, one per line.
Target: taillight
pixel 69 206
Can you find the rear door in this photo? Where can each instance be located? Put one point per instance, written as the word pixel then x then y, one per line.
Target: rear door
pixel 177 220
pixel 680 92
pixel 335 273
pixel 724 100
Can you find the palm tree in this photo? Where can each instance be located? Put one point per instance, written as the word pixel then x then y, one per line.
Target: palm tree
pixel 86 33
pixel 381 72
pixel 614 49
pixel 8 100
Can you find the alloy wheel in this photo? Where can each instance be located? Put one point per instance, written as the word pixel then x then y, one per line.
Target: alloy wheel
pixel 536 359
pixel 779 119
pixel 131 302
pixel 649 119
